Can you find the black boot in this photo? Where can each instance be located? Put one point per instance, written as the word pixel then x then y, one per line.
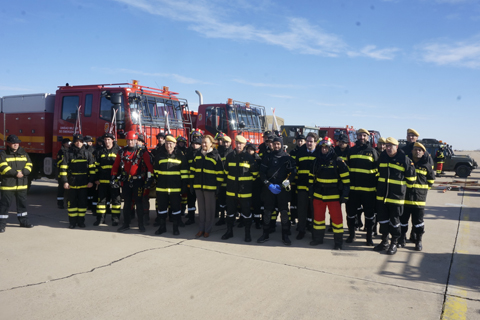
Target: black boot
pixel 180 221
pixel 248 226
pixel 241 223
pixel 176 224
pixel 115 220
pixel 273 226
pixel 286 241
pixel 229 232
pixel 124 227
pixel 351 235
pixel 99 219
pixel 81 222
pixel 317 237
pixel 393 246
pixel 338 241
pixel 258 224
pixel 370 239
pixel 72 222
pixel 265 236
pixel 382 245
pixel 190 217
pixel 369 225
pixel 222 220
pixel 351 230
pixel 418 244
pixel 3 224
pixel 402 240
pixel 24 222
pixel 162 223
pixel 413 237
pixel 60 204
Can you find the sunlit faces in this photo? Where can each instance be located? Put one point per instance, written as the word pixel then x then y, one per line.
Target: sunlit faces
pixel 131 143
pixel 169 146
pixel 310 143
pixel 300 142
pixel 108 143
pixel 240 146
pixel 391 149
pixel 277 145
pixel 411 138
pixel 418 152
pixel 363 137
pixel 206 144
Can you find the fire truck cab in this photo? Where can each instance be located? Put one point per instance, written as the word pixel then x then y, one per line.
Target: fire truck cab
pixel 231 118
pixel 335 132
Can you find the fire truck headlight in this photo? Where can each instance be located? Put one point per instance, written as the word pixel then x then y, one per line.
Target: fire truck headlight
pixel 135 116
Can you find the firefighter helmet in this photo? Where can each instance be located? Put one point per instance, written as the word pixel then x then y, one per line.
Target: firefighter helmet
pixel 131 135
pixel 326 142
pixel 181 139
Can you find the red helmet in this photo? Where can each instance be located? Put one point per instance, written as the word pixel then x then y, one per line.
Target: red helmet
pixel 131 135
pixel 326 142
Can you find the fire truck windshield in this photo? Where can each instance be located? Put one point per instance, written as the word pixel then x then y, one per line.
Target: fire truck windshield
pixel 249 116
pixel 154 111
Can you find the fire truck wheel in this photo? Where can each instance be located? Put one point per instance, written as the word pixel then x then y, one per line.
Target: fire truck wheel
pixel 463 171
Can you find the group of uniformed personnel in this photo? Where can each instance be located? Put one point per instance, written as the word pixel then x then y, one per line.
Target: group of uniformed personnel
pixel 387 184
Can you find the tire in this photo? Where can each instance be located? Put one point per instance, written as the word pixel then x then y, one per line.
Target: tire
pixel 463 171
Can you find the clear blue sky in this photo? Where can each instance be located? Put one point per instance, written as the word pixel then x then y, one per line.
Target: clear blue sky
pixel 385 65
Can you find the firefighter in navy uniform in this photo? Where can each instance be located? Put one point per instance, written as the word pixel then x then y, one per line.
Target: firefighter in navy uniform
pixel 299 141
pixel 276 170
pixel 241 171
pixel 224 149
pixel 141 143
pixel 415 199
pixel 171 172
pixel 395 170
pixel 330 187
pixel 362 161
pixel 92 192
pixel 342 148
pixel 135 169
pixel 79 165
pixel 256 206
pixel 15 166
pixel 262 148
pixel 107 193
pixel 61 189
pixel 195 146
pixel 304 160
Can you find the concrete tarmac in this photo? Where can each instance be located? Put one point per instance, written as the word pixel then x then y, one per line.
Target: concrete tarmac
pixel 52 272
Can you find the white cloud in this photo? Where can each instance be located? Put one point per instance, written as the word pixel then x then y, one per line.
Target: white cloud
pixel 461 53
pixel 371 51
pixel 215 21
pixel 176 77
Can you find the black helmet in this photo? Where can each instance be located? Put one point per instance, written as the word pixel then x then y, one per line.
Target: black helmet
pixel 13 139
pixel 77 137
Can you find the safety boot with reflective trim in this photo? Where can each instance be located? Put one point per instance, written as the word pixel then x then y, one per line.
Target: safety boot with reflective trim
pixel 418 244
pixel 402 240
pixel 24 222
pixel 229 232
pixel 3 224
pixel 393 247
pixel 382 245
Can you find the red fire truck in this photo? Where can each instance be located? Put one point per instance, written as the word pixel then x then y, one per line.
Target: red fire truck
pixel 41 121
pixel 335 132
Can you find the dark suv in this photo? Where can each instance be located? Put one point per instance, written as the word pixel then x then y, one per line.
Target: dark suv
pixel 461 165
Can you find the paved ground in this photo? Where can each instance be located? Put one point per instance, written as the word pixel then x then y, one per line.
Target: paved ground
pixel 52 272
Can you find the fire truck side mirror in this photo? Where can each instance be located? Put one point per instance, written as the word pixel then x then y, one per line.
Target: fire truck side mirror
pixel 116 98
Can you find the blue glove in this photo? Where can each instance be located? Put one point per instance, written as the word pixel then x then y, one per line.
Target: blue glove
pixel 275 188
